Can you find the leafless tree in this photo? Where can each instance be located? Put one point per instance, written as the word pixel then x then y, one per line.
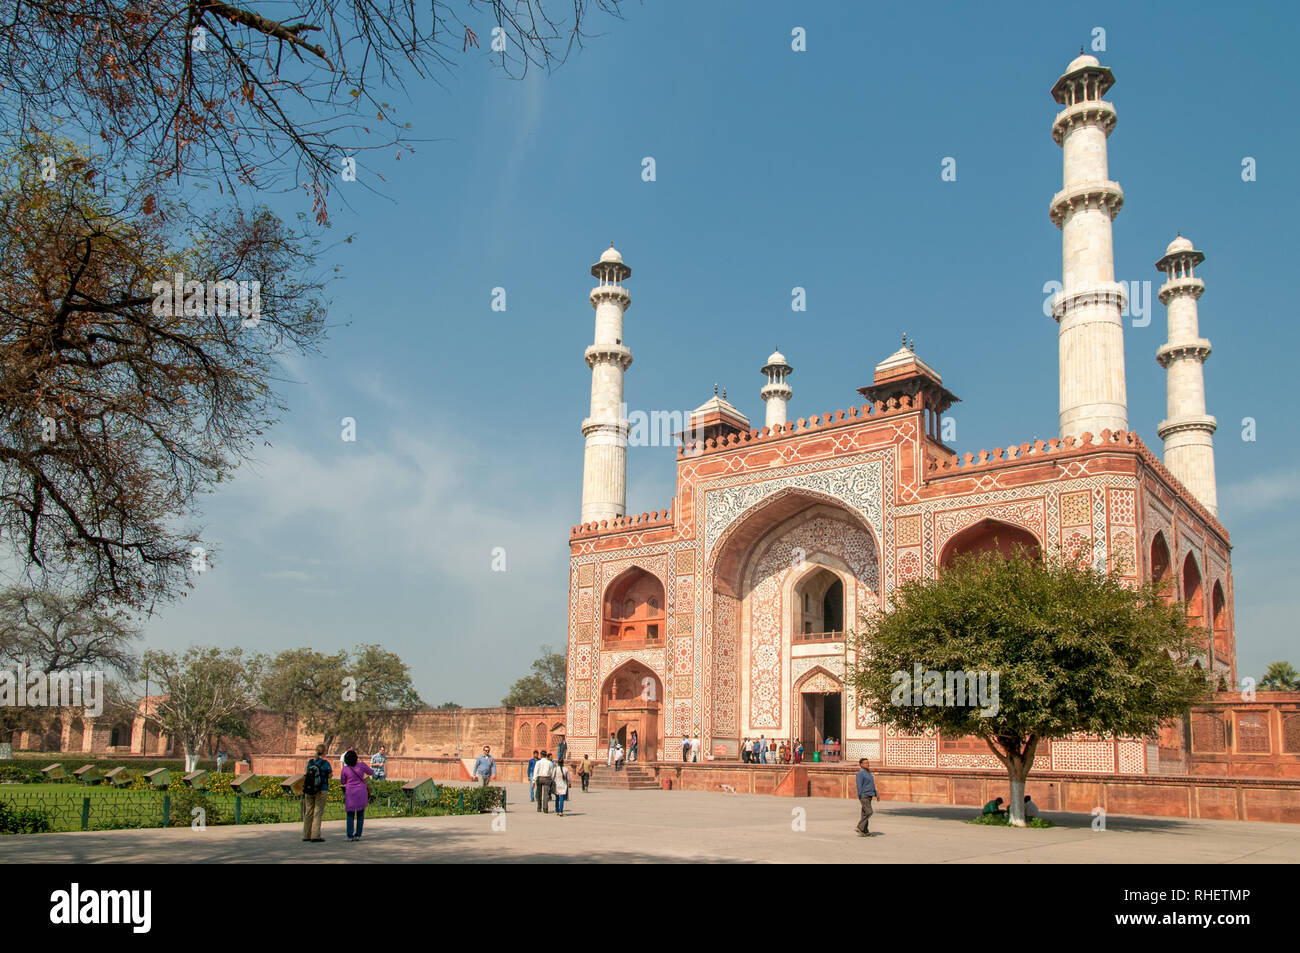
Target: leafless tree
pixel 256 93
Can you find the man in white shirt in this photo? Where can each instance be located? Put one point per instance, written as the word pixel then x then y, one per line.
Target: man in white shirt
pixel 695 747
pixel 542 779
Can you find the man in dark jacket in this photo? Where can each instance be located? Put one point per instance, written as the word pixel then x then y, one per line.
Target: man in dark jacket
pixel 866 791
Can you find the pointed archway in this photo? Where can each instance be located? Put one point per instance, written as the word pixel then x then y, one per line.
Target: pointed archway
pixel 990 535
pixel 631 701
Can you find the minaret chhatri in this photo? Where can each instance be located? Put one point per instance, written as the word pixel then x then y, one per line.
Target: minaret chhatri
pixel 604 462
pixel 776 393
pixel 1088 309
pixel 1187 430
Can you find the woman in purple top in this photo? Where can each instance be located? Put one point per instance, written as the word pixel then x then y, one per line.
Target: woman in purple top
pixel 356 792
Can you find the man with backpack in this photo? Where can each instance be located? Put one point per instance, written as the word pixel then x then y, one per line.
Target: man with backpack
pixel 315 789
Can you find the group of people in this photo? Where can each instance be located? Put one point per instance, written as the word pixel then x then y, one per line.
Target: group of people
pixel 762 750
pixel 547 777
pixel 995 807
pixel 617 754
pixel 354 776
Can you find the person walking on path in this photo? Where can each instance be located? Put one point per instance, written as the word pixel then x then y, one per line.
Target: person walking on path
pixel 379 763
pixel 866 791
pixel 584 772
pixel 561 778
pixel 532 764
pixel 356 792
pixel 315 789
pixel 485 766
pixel 543 776
pixel 562 749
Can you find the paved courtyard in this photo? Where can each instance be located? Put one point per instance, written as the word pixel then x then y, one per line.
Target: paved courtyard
pixel 631 826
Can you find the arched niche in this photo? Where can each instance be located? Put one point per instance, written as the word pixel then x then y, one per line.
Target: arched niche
pixel 990 535
pixel 1219 619
pixel 633 610
pixel 1193 595
pixel 1160 563
pixel 818 605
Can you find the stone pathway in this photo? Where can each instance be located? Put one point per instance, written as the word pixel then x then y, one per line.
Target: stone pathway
pixel 650 826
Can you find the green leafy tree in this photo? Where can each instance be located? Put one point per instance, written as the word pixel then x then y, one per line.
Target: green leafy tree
pixel 205 692
pixel 449 706
pixel 362 697
pixel 1280 677
pixel 544 687
pixel 1074 650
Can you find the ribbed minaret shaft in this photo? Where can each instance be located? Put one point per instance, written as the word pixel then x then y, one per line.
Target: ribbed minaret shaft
pixel 1088 310
pixel 776 393
pixel 604 463
pixel 1187 430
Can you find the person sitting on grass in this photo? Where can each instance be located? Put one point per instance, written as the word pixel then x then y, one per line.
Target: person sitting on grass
pixel 1031 809
pixel 994 807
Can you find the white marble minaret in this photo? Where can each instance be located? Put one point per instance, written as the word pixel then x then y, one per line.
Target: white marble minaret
pixel 604 462
pixel 776 393
pixel 1088 309
pixel 1187 429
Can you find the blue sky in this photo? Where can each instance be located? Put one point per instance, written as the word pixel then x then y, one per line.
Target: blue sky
pixel 775 169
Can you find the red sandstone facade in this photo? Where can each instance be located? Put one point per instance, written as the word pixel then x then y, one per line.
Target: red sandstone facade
pixel 726 615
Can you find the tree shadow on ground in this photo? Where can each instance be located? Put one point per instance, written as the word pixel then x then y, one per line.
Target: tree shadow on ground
pixel 1061 819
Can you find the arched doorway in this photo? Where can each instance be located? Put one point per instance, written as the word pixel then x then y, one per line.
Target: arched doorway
pixel 76 734
pixel 819 698
pixel 818 604
pixel 990 535
pixel 792 544
pixel 633 610
pixel 632 700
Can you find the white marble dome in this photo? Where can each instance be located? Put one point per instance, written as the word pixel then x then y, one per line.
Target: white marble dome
pixel 1177 245
pixel 776 357
pixel 611 254
pixel 1079 62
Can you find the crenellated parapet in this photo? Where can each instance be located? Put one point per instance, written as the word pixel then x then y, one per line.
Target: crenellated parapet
pixel 838 418
pixel 1086 443
pixel 651 520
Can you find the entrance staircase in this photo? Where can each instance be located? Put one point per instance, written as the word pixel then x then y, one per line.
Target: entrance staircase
pixel 632 777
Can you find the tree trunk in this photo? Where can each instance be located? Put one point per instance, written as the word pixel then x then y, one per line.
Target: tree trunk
pixel 191 759
pixel 1017 768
